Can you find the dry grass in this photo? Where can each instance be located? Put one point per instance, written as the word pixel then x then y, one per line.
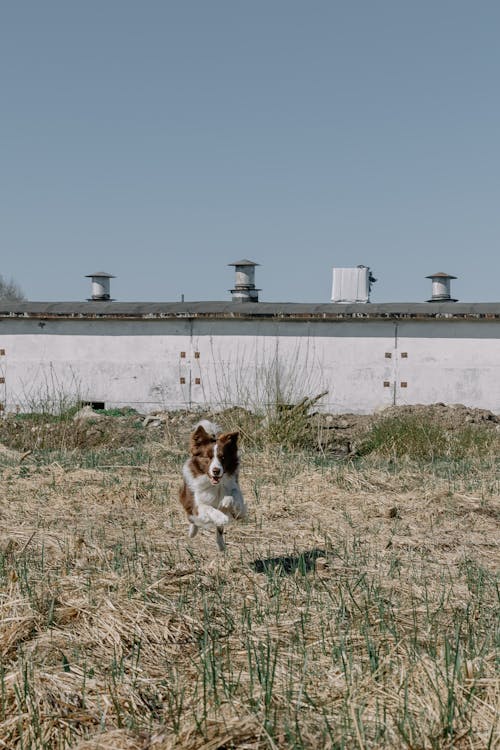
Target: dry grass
pixel 356 608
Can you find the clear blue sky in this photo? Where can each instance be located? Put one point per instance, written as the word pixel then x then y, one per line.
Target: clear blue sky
pixel 160 140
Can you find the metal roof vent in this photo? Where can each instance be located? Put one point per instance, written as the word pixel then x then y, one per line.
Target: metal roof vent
pixel 100 286
pixel 244 287
pixel 352 284
pixel 441 287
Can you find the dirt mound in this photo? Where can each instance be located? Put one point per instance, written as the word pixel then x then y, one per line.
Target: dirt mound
pixel 25 432
pixel 343 433
pixel 451 416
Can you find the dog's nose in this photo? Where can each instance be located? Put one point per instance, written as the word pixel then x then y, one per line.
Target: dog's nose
pixel 216 471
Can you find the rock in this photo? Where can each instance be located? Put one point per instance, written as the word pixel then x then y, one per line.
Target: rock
pixel 12 455
pixel 151 421
pixel 87 412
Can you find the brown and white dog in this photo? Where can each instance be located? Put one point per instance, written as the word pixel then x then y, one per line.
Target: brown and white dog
pixel 211 495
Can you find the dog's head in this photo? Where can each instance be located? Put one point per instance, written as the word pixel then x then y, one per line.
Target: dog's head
pixel 214 456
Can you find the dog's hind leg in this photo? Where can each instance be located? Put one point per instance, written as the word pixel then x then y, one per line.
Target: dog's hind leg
pixel 193 530
pixel 219 538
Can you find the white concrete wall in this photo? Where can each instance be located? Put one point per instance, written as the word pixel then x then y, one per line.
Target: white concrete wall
pixel 363 365
pixel 120 363
pixel 247 362
pixel 452 362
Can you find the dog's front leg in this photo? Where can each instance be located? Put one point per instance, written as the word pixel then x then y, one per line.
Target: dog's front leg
pixel 208 517
pixel 234 504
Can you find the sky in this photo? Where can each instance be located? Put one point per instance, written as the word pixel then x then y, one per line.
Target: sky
pixel 161 140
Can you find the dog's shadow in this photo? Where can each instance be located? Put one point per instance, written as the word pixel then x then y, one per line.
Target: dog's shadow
pixel 303 563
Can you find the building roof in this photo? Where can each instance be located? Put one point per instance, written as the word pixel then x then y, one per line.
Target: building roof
pixel 111 310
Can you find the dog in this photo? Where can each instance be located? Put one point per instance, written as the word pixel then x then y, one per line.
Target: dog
pixel 210 494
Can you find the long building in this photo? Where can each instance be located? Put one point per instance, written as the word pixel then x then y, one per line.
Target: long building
pixel 155 356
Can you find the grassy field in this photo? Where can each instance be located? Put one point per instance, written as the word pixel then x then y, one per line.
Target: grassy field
pixel 357 607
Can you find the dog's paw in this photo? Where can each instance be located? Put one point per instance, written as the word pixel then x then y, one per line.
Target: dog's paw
pixel 234 506
pixel 227 502
pixel 219 518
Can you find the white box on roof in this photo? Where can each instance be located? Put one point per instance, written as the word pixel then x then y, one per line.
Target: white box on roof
pixel 351 284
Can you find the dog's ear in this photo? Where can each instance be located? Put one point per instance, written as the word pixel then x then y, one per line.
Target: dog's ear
pixel 229 438
pixel 199 437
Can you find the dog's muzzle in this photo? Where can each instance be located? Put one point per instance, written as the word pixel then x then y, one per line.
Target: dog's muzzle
pixel 215 475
